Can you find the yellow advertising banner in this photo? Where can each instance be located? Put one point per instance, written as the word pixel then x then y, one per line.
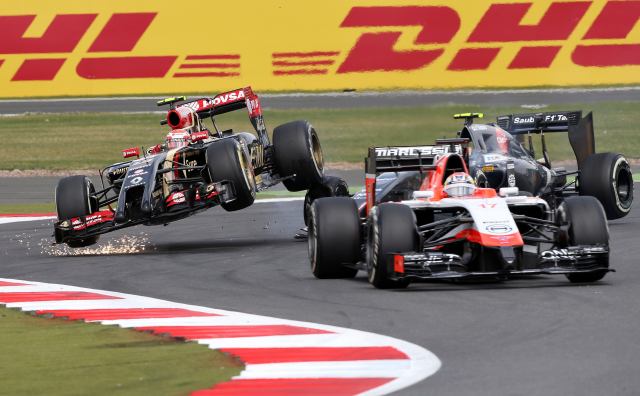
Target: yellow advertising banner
pixel 144 47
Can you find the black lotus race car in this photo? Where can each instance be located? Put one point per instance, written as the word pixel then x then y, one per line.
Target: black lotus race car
pixel 194 169
pixel 496 157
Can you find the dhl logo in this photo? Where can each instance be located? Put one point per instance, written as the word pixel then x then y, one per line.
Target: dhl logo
pixel 121 33
pixel 500 43
pixel 502 23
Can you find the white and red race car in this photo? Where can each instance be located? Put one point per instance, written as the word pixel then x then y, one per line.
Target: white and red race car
pixel 448 228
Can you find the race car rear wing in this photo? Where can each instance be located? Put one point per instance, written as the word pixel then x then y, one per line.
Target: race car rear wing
pixel 223 103
pixel 405 158
pixel 580 129
pixel 559 121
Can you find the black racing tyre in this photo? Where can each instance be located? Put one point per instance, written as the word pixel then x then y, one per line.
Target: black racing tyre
pixel 334 237
pixel 391 228
pixel 331 186
pixel 297 151
pixel 607 176
pixel 227 161
pixel 74 198
pixel 587 226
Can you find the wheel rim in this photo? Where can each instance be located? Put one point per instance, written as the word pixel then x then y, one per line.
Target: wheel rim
pixel 313 243
pixel 246 169
pixel 316 152
pixel 624 187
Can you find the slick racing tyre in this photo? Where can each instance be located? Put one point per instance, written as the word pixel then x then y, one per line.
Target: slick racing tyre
pixel 75 198
pixel 607 176
pixel 297 152
pixel 587 226
pixel 227 161
pixel 334 237
pixel 391 228
pixel 331 186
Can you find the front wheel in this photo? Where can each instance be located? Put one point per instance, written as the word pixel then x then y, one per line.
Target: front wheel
pixel 587 226
pixel 75 198
pixel 392 229
pixel 607 176
pixel 334 237
pixel 298 155
pixel 228 161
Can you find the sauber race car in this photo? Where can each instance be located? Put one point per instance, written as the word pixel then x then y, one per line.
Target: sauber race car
pixel 194 169
pixel 499 159
pixel 439 224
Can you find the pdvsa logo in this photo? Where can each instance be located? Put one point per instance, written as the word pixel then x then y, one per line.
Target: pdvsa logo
pixel 120 34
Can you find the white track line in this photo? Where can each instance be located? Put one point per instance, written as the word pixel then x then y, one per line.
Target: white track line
pixel 7 219
pixel 407 364
pixel 356 94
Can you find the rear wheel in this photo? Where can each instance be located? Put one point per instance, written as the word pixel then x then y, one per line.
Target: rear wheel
pixel 334 237
pixel 297 152
pixel 607 176
pixel 331 186
pixel 587 226
pixel 227 161
pixel 392 228
pixel 75 198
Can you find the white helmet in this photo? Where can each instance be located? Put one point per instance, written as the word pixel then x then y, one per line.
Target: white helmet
pixel 459 184
pixel 177 138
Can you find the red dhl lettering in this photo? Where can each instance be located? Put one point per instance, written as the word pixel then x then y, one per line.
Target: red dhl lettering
pixel 502 30
pixel 501 23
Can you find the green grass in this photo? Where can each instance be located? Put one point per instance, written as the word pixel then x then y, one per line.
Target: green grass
pixel 44 207
pixel 92 141
pixel 59 357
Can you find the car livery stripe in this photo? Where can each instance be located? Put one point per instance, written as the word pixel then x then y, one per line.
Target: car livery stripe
pixel 281 357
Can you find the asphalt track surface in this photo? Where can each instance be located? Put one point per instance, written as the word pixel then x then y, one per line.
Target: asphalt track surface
pixel 536 336
pixel 520 97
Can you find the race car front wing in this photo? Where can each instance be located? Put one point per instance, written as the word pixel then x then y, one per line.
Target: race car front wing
pixel 436 265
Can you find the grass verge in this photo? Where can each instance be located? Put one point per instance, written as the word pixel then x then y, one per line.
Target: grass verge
pixel 92 141
pixel 59 357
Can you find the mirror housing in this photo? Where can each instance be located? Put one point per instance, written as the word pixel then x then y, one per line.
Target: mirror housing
pixel 423 194
pixel 131 152
pixel 508 191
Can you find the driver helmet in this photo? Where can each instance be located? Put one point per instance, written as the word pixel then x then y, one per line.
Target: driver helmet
pixel 459 184
pixel 177 138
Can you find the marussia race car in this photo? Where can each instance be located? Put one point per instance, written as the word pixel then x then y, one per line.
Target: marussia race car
pixel 446 227
pixel 193 170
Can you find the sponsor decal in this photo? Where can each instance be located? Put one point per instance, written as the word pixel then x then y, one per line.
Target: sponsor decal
pixel 494 158
pixel 119 171
pixel 499 228
pixel 511 180
pixel 99 48
pixel 528 120
pixel 413 151
pixel 136 180
pixel 229 97
pixel 257 155
pixel 555 118
pixel 137 172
